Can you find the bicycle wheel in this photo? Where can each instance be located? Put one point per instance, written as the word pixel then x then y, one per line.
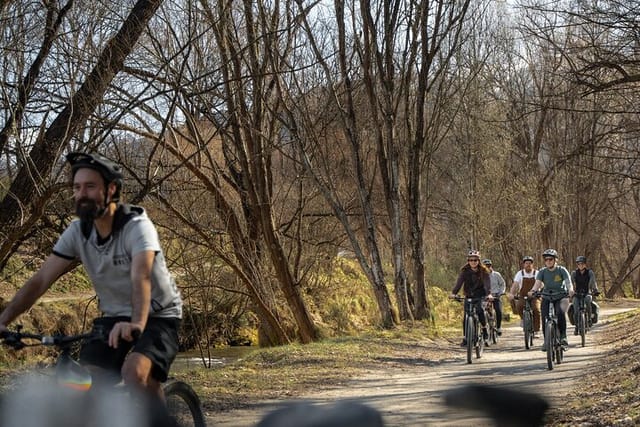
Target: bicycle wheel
pixel 479 341
pixel 183 404
pixel 549 342
pixel 470 335
pixel 558 349
pixel 582 327
pixel 493 335
pixel 527 326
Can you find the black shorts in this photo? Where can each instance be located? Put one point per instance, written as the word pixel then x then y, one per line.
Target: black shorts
pixel 158 342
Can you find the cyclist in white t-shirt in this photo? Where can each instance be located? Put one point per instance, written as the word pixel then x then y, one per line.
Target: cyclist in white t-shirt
pixel 119 248
pixel 522 284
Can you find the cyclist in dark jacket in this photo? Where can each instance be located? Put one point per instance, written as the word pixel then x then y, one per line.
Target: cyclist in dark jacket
pixel 585 286
pixel 475 281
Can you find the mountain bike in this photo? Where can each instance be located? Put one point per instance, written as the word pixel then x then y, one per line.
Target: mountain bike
pixel 582 316
pixel 552 339
pixel 472 327
pixel 527 322
pixel 182 403
pixel 492 326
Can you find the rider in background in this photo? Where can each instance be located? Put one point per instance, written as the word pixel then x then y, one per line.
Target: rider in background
pixel 584 280
pixel 555 282
pixel 119 248
pixel 498 287
pixel 522 283
pixel 475 281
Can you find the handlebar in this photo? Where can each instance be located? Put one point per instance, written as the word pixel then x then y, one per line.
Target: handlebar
pixel 582 294
pixel 536 294
pixel 19 340
pixel 461 298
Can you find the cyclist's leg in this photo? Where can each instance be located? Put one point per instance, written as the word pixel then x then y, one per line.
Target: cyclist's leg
pixel 544 313
pixel 482 318
pixel 587 305
pixel 497 305
pixel 536 305
pixel 561 308
pixel 520 307
pixel 103 361
pixel 464 324
pixel 576 312
pixel 152 355
pixel 148 364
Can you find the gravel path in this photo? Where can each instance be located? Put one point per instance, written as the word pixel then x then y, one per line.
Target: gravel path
pixel 412 394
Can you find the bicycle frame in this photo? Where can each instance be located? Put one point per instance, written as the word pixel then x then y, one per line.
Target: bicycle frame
pixel 552 339
pixel 181 401
pixel 491 319
pixel 472 328
pixel 527 322
pixel 582 315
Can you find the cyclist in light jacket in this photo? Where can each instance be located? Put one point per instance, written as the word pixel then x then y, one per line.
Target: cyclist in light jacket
pixel 498 287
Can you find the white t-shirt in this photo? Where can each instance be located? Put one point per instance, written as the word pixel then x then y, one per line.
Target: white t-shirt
pixel 109 264
pixel 521 274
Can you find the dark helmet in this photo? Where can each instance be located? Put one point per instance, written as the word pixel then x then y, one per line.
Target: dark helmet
pixel 486 261
pixel 527 258
pixel 550 253
pixel 581 259
pixel 110 171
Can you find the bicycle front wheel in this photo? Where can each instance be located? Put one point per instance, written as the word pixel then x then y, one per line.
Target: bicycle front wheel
pixel 582 327
pixel 183 404
pixel 549 342
pixel 527 326
pixel 470 335
pixel 479 341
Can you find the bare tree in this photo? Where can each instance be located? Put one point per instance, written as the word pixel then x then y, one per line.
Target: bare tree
pixel 28 194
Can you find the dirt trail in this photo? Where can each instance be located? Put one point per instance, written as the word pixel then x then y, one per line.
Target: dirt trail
pixel 412 395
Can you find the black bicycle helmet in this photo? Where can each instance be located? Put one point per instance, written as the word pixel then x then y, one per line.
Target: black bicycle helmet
pixel 527 258
pixel 581 259
pixel 550 253
pixel 110 171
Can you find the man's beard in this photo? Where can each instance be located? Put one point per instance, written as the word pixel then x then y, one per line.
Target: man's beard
pixel 88 210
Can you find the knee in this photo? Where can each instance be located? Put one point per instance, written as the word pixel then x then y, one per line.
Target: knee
pixel 135 371
pixel 133 376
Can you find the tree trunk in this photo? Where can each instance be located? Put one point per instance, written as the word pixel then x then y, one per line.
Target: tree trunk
pixel 623 272
pixel 30 183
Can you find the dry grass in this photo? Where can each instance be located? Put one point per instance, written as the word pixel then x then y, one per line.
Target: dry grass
pixel 608 395
pixel 288 371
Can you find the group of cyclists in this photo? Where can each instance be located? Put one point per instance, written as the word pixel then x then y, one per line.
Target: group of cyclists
pixel 553 283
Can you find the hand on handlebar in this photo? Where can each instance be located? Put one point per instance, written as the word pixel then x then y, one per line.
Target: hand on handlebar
pixel 126 331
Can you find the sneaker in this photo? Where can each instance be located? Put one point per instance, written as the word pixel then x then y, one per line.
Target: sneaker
pixel 486 343
pixel 485 334
pixel 575 331
pixel 463 343
pixel 499 331
pixel 564 342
